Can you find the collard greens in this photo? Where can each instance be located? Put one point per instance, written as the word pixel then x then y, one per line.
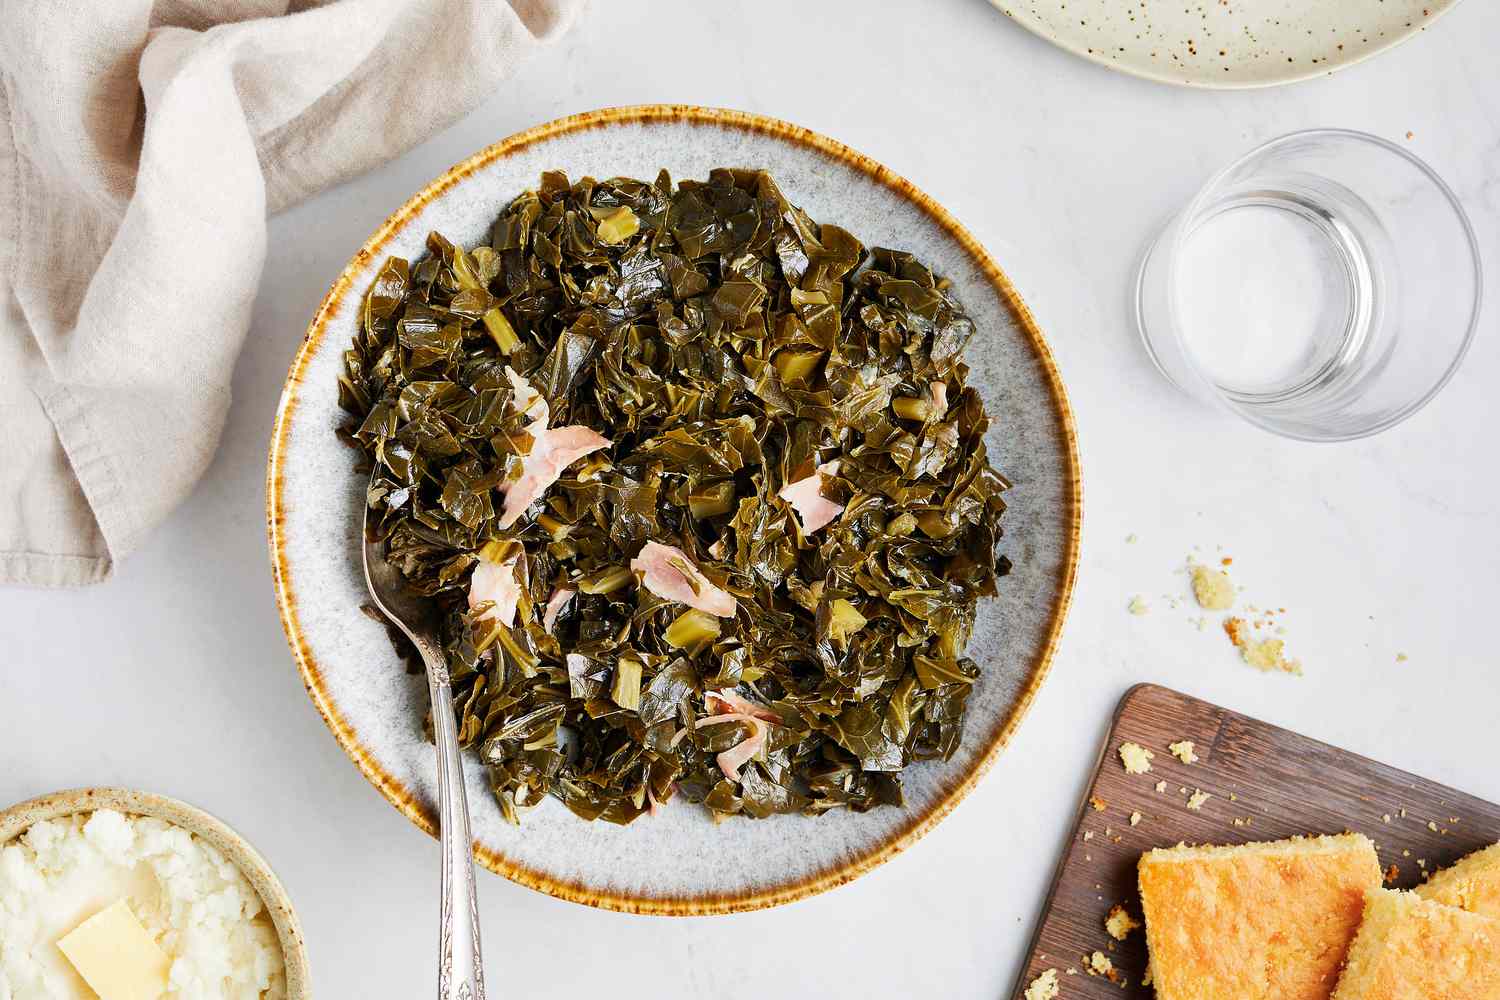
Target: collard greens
pixel 727 346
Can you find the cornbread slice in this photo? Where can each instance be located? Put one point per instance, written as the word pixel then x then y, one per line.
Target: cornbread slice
pixel 1472 884
pixel 1264 921
pixel 1412 949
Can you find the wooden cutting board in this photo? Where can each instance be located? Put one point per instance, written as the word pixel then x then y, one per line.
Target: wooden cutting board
pixel 1274 782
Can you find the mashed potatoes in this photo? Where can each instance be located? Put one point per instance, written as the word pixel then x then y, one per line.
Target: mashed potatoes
pixel 197 905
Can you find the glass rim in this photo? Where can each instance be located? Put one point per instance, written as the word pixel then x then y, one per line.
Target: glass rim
pixel 1194 207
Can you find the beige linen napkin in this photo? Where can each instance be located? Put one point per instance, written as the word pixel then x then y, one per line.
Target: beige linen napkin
pixel 141 145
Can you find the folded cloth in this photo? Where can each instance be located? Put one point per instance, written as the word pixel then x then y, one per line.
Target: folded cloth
pixel 141 146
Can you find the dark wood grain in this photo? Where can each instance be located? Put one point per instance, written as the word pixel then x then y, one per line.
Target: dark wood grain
pixel 1277 783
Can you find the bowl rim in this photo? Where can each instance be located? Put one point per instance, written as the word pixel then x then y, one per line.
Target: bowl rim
pixel 17 819
pixel 403 798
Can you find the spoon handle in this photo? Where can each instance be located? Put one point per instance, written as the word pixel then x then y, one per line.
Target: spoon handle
pixel 460 968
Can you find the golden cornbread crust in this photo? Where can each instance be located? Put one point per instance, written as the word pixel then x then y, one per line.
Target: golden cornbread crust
pixel 1412 949
pixel 1472 884
pixel 1262 921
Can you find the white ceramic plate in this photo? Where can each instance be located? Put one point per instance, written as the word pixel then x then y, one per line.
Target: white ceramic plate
pixel 679 862
pixel 1225 43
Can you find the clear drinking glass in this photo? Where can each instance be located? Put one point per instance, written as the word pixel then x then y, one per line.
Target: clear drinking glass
pixel 1324 286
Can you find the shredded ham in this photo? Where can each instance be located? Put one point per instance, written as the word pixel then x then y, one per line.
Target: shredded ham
pixel 939 395
pixel 559 600
pixel 500 584
pixel 814 510
pixel 667 572
pixel 733 708
pixel 552 450
pixel 527 400
pixel 732 702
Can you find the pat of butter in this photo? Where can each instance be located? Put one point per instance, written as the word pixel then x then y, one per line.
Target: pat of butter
pixel 116 956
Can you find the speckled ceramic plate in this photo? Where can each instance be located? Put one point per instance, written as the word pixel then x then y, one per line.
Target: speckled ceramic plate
pixel 1225 43
pixel 680 862
pixel 19 818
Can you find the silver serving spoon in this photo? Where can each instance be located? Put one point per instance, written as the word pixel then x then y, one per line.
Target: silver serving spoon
pixel 460 969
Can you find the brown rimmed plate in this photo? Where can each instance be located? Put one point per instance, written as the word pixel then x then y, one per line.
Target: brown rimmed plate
pixel 678 863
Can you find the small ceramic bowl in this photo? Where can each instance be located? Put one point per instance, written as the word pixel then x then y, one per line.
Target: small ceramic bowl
pixel 20 817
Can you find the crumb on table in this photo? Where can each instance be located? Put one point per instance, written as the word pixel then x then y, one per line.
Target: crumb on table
pixel 1196 800
pixel 1212 588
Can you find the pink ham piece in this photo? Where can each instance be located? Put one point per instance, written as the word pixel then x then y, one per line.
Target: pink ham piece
pixel 939 396
pixel 733 708
pixel 667 572
pixel 559 600
pixel 499 583
pixel 552 450
pixel 731 702
pixel 814 510
pixel 526 400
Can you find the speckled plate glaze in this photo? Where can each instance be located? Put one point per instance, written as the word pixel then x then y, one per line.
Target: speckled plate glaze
pixel 1225 43
pixel 680 862
pixel 19 818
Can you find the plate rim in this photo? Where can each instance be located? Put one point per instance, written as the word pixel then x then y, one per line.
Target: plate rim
pixel 1013 11
pixel 403 798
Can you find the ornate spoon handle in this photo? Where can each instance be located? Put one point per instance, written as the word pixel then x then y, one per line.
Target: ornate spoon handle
pixel 460 968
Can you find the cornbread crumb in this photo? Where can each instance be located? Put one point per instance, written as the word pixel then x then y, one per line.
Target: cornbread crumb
pixel 1043 987
pixel 1262 654
pixel 1098 804
pixel 1183 751
pixel 1400 657
pixel 1098 964
pixel 1120 923
pixel 1088 835
pixel 1385 818
pixel 1161 786
pixel 1392 873
pixel 1432 826
pixel 1136 758
pixel 1148 978
pixel 1196 800
pixel 1268 655
pixel 1138 605
pixel 1135 819
pixel 1212 588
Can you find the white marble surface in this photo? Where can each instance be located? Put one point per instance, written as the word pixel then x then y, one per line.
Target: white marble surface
pixel 174 676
